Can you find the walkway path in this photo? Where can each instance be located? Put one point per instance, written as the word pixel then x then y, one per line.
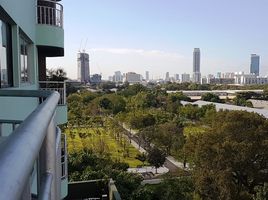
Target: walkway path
pixel 171 163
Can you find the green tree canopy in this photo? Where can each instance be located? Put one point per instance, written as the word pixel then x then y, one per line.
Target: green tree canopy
pixel 211 97
pixel 156 157
pixel 231 158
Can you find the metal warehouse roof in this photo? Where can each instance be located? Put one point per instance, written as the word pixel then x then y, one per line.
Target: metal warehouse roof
pixel 221 106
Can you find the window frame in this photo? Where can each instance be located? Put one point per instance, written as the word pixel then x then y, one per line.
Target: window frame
pixel 26 70
pixel 9 57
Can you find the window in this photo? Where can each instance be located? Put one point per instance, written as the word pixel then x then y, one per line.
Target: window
pixel 24 61
pixel 5 55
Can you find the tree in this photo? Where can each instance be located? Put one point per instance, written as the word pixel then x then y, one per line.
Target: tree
pixel 241 101
pixel 231 157
pixel 169 134
pixel 105 103
pixel 211 97
pixel 146 136
pixel 56 74
pixel 156 157
pixel 140 120
pixel 261 192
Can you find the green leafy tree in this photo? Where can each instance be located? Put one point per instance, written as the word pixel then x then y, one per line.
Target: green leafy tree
pixel 169 134
pixel 261 192
pixel 211 97
pixel 58 74
pixel 156 157
pixel 231 158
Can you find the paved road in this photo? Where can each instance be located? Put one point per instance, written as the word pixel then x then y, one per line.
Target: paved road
pixel 171 163
pixel 152 181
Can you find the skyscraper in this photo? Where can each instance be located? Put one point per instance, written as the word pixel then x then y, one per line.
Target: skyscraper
pixel 196 66
pixel 83 67
pixel 167 77
pixel 255 64
pixel 147 75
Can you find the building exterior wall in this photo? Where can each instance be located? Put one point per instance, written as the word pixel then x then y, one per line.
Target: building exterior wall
pixel 196 66
pixel 132 77
pixel 83 67
pixel 27 38
pixel 255 64
pixel 185 78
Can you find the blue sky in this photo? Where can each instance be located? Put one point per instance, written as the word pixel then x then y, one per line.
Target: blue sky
pixel 160 35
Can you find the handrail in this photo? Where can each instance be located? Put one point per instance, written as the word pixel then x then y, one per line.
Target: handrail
pixel 45 187
pixel 25 93
pixel 20 150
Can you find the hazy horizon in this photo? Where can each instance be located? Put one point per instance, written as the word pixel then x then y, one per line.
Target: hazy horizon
pixel 159 36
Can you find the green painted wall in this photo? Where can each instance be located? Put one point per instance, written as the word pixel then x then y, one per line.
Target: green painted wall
pixel 49 36
pixel 23 12
pixel 61 114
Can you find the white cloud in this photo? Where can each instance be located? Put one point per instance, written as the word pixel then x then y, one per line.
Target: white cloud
pixel 141 52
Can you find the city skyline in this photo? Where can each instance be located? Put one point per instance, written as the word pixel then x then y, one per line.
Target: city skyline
pixel 161 38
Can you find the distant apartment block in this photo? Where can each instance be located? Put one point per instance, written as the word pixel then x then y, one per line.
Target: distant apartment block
pixel 249 79
pixel 219 75
pixel 95 79
pixel 255 64
pixel 176 77
pixel 185 78
pixel 132 77
pixel 83 74
pixel 221 81
pixel 229 75
pixel 118 77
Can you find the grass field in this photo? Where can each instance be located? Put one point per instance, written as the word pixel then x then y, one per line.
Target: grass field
pixel 101 141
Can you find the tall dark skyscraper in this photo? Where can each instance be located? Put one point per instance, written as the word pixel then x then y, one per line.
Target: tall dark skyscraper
pixel 255 64
pixel 196 66
pixel 83 67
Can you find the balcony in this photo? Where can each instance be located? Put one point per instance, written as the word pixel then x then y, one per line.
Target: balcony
pixel 50 13
pixel 32 157
pixel 101 189
pixel 60 87
pixel 49 28
pixel 57 86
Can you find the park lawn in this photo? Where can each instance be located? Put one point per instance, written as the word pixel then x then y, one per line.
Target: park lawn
pixel 100 140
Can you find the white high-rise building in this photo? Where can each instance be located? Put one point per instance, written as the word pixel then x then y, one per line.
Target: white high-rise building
pixel 83 67
pixel 196 66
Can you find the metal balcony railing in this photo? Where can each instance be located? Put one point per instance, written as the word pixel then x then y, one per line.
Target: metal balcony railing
pixel 57 86
pixel 64 164
pixel 49 13
pixel 33 147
